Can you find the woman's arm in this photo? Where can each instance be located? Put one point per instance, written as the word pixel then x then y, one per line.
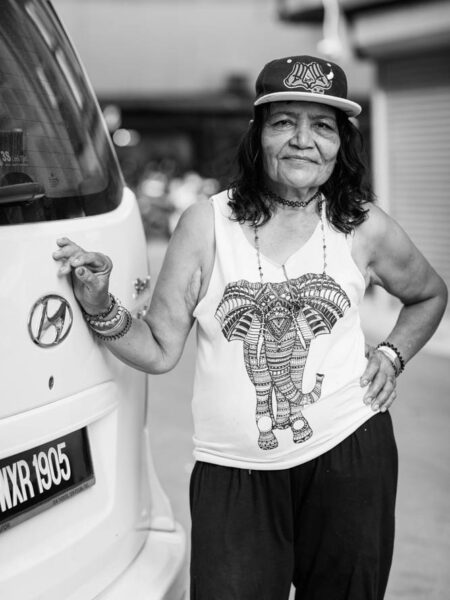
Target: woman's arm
pixel 392 261
pixel 153 344
pixel 401 269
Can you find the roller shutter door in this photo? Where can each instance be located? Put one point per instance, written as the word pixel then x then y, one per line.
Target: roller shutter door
pixel 418 128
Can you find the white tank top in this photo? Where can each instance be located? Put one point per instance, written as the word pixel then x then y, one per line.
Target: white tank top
pixel 278 369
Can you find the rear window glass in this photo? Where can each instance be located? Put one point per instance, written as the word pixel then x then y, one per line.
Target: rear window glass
pixel 56 159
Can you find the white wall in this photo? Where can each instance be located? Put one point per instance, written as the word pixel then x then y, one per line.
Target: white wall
pixel 142 47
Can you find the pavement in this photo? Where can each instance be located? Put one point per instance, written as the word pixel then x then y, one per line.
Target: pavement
pixel 421 417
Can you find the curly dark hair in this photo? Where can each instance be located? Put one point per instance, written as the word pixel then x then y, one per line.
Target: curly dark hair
pixel 346 191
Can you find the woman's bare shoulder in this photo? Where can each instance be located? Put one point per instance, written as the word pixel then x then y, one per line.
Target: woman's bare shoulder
pixel 195 228
pixel 198 214
pixel 193 241
pixel 370 236
pixel 376 224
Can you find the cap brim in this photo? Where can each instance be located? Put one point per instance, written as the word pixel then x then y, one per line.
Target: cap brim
pixel 352 109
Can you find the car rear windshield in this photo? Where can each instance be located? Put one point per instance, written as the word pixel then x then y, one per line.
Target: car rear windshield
pixel 56 159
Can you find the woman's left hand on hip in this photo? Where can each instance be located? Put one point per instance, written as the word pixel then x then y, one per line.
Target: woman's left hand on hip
pixel 379 378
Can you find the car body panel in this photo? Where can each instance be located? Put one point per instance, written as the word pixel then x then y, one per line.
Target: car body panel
pixel 114 531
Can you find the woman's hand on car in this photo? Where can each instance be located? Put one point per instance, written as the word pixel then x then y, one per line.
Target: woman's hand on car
pixel 380 380
pixel 90 272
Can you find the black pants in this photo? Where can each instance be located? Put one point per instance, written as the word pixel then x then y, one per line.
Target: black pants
pixel 326 526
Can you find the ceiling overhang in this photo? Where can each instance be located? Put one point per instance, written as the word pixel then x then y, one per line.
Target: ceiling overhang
pixel 312 11
pixel 381 27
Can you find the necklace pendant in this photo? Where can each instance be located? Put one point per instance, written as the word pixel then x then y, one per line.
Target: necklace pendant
pixel 324 244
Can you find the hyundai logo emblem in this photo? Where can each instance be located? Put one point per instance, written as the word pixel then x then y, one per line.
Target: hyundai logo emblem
pixel 50 320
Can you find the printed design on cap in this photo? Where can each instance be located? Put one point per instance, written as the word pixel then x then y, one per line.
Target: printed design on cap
pixel 310 77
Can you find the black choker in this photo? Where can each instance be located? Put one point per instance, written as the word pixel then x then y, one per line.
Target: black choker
pixel 294 203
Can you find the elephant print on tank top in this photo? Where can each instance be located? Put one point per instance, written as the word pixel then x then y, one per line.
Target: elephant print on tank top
pixel 276 323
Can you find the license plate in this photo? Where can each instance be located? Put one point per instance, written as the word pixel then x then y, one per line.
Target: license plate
pixel 39 478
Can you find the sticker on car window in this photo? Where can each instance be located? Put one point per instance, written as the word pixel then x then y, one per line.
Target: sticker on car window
pixel 12 152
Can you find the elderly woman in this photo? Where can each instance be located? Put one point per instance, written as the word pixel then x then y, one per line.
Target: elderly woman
pixel 296 471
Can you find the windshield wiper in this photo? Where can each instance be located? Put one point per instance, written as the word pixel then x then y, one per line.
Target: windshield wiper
pixel 21 193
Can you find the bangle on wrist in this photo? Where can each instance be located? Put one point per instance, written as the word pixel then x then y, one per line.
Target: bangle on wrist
pixel 117 330
pixel 393 354
pixel 104 314
pixel 392 358
pixel 112 324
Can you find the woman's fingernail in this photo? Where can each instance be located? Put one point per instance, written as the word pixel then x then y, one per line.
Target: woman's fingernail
pixel 376 406
pixel 80 271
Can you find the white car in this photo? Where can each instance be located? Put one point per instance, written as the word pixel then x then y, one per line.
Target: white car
pixel 82 513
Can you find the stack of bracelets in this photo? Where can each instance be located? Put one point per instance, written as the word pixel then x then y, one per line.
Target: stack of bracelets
pixel 393 354
pixel 112 324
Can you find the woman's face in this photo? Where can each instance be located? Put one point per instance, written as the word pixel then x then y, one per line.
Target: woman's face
pixel 300 143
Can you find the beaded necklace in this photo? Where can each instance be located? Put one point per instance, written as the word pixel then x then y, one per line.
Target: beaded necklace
pixel 324 244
